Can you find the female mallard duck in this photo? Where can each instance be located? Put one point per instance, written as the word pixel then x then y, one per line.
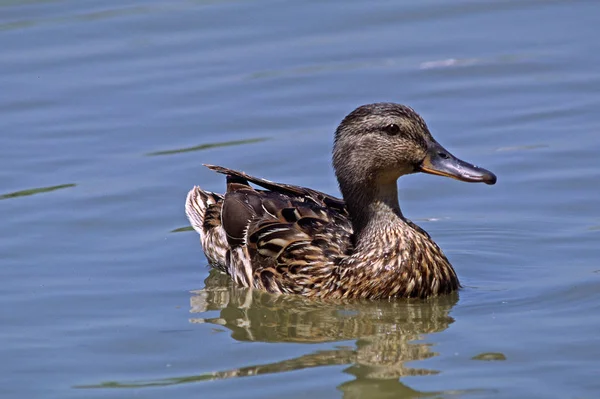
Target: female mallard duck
pixel 294 240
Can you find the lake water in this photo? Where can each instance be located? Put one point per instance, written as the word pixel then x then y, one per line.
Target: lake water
pixel 108 109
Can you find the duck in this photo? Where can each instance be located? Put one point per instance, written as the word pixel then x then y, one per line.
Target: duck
pixel 288 239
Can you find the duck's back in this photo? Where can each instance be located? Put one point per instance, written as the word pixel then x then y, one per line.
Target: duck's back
pixel 284 239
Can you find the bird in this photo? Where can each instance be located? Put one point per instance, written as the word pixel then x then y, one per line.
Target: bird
pixel 288 239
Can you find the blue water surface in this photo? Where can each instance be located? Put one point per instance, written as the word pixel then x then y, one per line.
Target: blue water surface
pixel 109 109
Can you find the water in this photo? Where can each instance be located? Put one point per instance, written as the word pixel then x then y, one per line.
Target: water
pixel 108 109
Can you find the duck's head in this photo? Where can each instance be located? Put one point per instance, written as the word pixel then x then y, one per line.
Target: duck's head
pixel 377 143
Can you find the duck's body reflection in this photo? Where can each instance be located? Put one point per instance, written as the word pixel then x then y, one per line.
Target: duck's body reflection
pixel 384 335
pixel 384 332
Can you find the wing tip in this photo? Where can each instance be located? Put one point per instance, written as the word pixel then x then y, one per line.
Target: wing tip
pixel 216 168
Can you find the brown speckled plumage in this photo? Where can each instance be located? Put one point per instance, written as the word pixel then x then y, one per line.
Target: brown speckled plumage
pixel 294 240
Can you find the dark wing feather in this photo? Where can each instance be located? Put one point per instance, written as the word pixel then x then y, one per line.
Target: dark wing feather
pixel 293 235
pixel 318 197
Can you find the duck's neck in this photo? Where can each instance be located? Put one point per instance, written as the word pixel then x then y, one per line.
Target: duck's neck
pixel 373 207
pixel 401 258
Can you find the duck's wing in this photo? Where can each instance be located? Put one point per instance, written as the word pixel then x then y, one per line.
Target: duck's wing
pixel 285 238
pixel 317 197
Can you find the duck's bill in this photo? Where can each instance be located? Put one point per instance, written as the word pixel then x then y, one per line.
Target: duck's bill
pixel 440 162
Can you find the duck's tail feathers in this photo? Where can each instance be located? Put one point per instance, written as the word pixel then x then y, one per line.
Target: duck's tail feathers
pixel 203 210
pixel 196 205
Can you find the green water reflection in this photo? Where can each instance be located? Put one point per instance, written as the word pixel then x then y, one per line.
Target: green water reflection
pixel 386 335
pixel 182 229
pixel 33 191
pixel 207 146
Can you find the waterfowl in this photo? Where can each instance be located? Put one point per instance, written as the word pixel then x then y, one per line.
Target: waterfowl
pixel 294 240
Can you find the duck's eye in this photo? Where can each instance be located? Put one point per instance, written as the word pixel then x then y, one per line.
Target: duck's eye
pixel 392 129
